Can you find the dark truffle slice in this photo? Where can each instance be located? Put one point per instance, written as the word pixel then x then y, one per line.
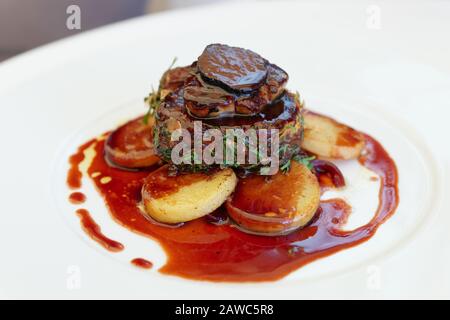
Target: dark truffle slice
pixel 233 68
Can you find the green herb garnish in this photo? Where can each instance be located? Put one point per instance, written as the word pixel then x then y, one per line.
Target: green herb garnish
pixel 154 98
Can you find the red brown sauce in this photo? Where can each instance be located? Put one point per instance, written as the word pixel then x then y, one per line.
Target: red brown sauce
pixel 142 263
pixel 328 174
pixel 219 251
pixel 77 198
pixel 94 231
pixel 74 175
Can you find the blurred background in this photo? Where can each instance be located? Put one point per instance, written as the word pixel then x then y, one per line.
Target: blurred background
pixel 25 24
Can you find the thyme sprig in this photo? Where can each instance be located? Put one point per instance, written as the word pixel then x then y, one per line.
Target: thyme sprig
pixel 305 160
pixel 153 100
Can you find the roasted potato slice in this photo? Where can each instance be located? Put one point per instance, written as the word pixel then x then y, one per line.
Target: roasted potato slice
pixel 275 205
pixel 131 145
pixel 328 138
pixel 185 197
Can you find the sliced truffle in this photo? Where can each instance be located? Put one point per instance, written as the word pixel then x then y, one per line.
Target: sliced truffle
pixel 236 69
pixel 204 100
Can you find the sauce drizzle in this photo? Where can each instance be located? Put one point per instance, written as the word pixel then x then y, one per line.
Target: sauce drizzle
pixel 77 198
pixel 93 230
pixel 74 175
pixel 142 263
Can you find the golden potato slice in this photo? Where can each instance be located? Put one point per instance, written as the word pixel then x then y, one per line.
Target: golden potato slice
pixel 275 205
pixel 328 138
pixel 185 197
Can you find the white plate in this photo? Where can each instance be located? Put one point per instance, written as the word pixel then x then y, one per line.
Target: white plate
pixel 389 79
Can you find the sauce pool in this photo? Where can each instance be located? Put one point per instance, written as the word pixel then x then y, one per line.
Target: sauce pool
pixel 219 251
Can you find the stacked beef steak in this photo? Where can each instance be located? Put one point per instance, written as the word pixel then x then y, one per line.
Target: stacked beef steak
pixel 227 87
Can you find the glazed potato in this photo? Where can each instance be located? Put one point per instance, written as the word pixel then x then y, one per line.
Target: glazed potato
pixel 278 204
pixel 328 138
pixel 131 145
pixel 181 198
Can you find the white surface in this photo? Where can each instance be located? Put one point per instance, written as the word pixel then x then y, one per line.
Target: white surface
pixel 393 82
